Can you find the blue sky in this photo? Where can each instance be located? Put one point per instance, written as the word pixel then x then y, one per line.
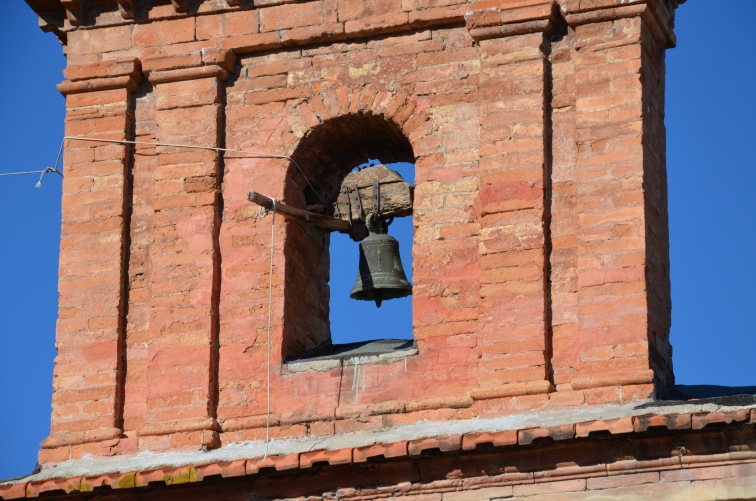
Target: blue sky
pixel 712 174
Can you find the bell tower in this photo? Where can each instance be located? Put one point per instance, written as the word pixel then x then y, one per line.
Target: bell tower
pixel 541 294
pixel 540 250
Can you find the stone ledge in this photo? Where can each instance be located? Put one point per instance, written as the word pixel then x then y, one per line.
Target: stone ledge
pixel 537 429
pixel 531 467
pixel 381 351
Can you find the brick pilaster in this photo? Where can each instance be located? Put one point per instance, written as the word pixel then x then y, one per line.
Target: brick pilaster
pixel 88 385
pixel 563 213
pixel 182 345
pixel 622 282
pixel 514 327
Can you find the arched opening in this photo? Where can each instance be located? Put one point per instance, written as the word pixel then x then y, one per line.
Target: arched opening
pixel 357 321
pixel 312 285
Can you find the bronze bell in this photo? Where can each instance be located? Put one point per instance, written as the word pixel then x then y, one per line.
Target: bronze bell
pixel 381 274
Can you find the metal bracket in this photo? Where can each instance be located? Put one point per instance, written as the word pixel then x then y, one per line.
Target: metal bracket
pixel 355 193
pixel 347 202
pixel 376 198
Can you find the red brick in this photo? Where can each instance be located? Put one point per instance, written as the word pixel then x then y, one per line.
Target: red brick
pixel 495 259
pixel 551 488
pixel 164 32
pixel 616 481
pixel 291 16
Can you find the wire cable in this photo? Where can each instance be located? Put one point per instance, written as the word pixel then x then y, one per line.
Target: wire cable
pixel 49 169
pixel 270 319
pixel 40 172
pixel 259 154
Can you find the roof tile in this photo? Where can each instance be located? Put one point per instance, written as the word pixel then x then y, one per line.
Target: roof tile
pixel 395 450
pixel 444 444
pixel 613 426
pixel 497 439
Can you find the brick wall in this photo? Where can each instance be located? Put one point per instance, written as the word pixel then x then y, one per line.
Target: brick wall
pixel 540 251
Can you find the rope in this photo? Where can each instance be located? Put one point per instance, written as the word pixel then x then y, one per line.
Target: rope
pixel 270 320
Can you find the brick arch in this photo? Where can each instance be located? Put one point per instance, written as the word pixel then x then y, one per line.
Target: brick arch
pixel 354 124
pixel 339 139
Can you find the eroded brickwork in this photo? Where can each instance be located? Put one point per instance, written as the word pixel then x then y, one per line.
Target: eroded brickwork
pixel 540 251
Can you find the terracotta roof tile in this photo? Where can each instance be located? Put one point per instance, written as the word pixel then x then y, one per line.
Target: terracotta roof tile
pixel 562 432
pixel 688 449
pixel 224 469
pixel 444 444
pixel 394 450
pixel 340 456
pixel 612 426
pixel 702 419
pixel 280 463
pixel 497 439
pixel 13 491
pixel 669 421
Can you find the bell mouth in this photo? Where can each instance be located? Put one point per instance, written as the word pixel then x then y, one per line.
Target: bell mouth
pixel 379 295
pixel 381 274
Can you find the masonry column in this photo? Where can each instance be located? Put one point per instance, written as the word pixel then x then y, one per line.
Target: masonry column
pixel 185 283
pixel 514 336
pixel 622 232
pixel 87 382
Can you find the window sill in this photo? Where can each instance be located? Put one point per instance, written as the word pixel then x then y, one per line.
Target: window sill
pixel 381 351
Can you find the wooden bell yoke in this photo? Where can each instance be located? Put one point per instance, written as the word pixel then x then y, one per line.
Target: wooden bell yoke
pixel 373 190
